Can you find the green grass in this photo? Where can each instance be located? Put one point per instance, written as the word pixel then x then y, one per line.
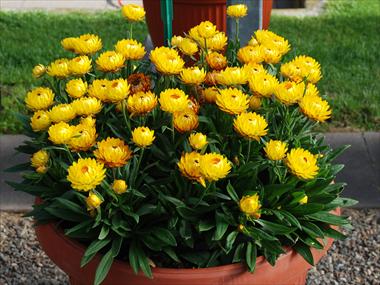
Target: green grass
pixel 344 40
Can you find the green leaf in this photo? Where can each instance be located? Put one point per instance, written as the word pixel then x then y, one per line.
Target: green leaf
pixel 305 252
pixel 82 227
pixel 19 167
pixel 312 242
pixel 199 258
pixel 104 232
pixel 312 229
pixel 116 246
pixel 238 253
pixel 69 205
pixel 306 209
pixel 65 214
pixel 335 153
pixel 103 267
pixel 165 236
pixel 231 191
pixel 330 232
pixel 230 240
pixel 335 169
pixel 138 259
pixel 275 228
pixel 171 253
pixel 205 225
pixel 290 218
pixel 329 218
pixel 92 249
pixel 250 256
pixel 221 226
pixel 276 190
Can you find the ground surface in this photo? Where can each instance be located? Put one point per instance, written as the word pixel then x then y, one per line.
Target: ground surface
pixel 353 261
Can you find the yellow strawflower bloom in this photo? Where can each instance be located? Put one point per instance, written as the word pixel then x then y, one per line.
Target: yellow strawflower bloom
pixel 93 201
pixel 166 60
pixel 250 54
pixel 40 121
pixel 315 108
pixel 311 69
pixel 99 89
pixel 311 90
pixel 193 75
pixel 39 158
pixel 173 100
pixel 251 125
pixel 252 69
pixel 255 102
pixel 216 43
pixel 130 49
pixel 176 41
pixel 69 44
pixel 39 98
pixel 302 163
pixel 86 106
pixel 110 61
pixel 141 103
pixel 85 174
pixel 232 101
pixel 83 138
pixel 60 133
pixel 198 141
pixel 38 70
pixel 253 42
pixel 214 166
pixel 118 90
pixel 250 205
pixel 270 54
pixel 263 84
pixel 113 152
pixel 275 149
pixel 80 65
pixel 232 76
pixel 210 94
pixel 185 121
pixel 265 35
pixel 133 12
pixel 278 43
pixel 237 11
pixel 76 88
pixel 289 92
pixel 59 68
pixel 193 105
pixel 87 44
pixel 62 113
pixel 143 136
pixel 88 121
pixel 304 200
pixel 42 169
pixel 206 29
pixel 187 46
pixel 189 166
pixel 216 60
pixel 119 186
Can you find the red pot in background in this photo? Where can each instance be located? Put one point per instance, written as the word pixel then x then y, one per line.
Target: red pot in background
pixel 189 13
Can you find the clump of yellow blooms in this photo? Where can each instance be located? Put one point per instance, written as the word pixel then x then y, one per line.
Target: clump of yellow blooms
pixel 232 76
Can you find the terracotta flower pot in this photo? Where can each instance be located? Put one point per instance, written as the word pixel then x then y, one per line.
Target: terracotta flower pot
pixel 189 13
pixel 290 269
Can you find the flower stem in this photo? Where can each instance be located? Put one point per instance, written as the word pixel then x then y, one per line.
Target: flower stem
pixel 249 150
pixel 125 117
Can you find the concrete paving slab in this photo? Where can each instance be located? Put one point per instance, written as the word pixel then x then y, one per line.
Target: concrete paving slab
pixel 372 141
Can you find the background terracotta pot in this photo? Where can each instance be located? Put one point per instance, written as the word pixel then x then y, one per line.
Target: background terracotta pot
pixel 290 269
pixel 189 13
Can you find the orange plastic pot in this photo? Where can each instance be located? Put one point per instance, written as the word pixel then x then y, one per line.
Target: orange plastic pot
pixel 290 269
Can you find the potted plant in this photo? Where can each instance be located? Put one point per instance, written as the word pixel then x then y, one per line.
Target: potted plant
pixel 208 174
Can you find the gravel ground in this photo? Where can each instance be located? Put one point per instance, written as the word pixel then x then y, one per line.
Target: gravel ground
pixel 353 261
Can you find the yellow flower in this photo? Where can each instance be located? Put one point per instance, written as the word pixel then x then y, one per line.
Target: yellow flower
pixel 263 84
pixel 88 121
pixel 304 200
pixel 289 92
pixel 211 77
pixel 130 49
pixel 214 166
pixel 38 70
pixel 62 113
pixel 85 174
pixel 110 61
pixel 40 121
pixel 311 69
pixel 41 169
pixel 255 102
pixel 253 42
pixel 188 46
pixel 250 54
pixel 232 101
pixel 133 12
pixel 119 186
pixel 193 105
pixel 237 11
pixel 206 29
pixel 217 42
pixel 264 35
pixel 311 90
pixel 60 133
pixel 40 158
pixel 87 44
pixel 118 90
pixel 275 150
pixel 69 44
pixel 39 98
pixel 141 103
pixel 93 201
pixel 302 163
pixel 189 166
pixel 166 60
pixel 193 75
pixel 173 100
pixel 139 82
pixel 198 140
pixel 86 106
pixel 176 41
pixel 194 35
pixel 80 65
pixel 59 68
pixel 252 69
pixel 99 89
pixel 251 125
pixel 113 152
pixel 250 205
pixel 315 108
pixel 270 54
pixel 232 76
pixel 278 43
pixel 76 88
pixel 83 137
pixel 210 94
pixel 143 136
pixel 185 121
pixel 216 60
